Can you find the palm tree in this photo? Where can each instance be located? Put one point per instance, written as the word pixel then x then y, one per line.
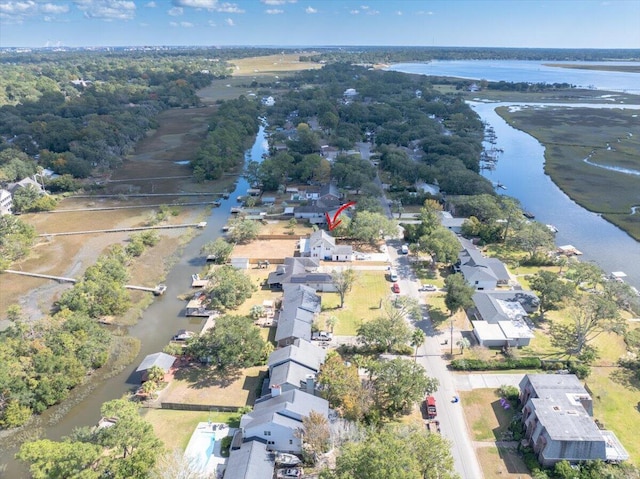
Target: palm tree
pixel 417 339
pixel 331 322
pixel 155 374
pixel 463 343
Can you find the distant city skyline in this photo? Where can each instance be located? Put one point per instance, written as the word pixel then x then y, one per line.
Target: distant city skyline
pixel 470 23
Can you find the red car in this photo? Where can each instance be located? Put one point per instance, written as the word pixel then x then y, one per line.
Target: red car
pixel 395 288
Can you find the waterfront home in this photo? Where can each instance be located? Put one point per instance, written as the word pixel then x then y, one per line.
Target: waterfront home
pixel 478 270
pixel 301 270
pixel 277 418
pixel 500 319
pixel 300 305
pixel 557 416
pixel 6 202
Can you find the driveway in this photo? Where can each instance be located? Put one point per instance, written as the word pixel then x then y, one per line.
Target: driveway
pixel 430 355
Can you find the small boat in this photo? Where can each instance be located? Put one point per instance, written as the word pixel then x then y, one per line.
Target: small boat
pixel 501 186
pixel 160 289
pixel 183 335
pixel 528 214
pixel 552 228
pixel 287 459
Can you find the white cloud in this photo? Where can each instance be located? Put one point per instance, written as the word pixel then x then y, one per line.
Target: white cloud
pixel 54 9
pixel 17 11
pixel 373 12
pixel 211 23
pixel 186 24
pixel 273 11
pixel 422 12
pixel 175 11
pixel 229 8
pixel 230 22
pixel 364 7
pixel 107 9
pixel 151 5
pixel 208 4
pixel 399 13
pixel 354 12
pixel 277 2
pixel 310 10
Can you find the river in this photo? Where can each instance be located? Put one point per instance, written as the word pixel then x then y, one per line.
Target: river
pixel 521 165
pixel 529 71
pixel 159 322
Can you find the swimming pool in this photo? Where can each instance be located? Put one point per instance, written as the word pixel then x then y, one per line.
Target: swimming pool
pixel 204 448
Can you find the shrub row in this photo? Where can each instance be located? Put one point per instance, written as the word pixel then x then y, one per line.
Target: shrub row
pixel 482 365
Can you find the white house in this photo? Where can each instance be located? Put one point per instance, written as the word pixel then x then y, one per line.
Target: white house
pixel 6 202
pixel 277 418
pixel 268 101
pixel 322 245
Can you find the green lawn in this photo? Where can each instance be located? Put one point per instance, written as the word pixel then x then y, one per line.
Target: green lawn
pixel 361 303
pixel 174 428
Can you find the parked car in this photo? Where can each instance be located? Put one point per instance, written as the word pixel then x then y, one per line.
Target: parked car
pixel 404 249
pixel 393 275
pixel 428 287
pixel 321 336
pixel 395 288
pixel 290 472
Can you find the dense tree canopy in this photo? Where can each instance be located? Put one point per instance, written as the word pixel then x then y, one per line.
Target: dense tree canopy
pixel 415 453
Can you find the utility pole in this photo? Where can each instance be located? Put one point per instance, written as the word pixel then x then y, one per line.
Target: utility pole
pixel 451 330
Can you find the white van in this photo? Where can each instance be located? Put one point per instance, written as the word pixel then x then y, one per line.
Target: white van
pixel 405 249
pixel 393 275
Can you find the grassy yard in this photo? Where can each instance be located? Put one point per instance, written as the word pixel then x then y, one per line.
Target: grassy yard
pixel 488 422
pixel 361 304
pixel 202 385
pixel 501 463
pixel 174 428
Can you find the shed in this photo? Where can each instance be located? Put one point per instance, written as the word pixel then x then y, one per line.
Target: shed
pixel 240 263
pixel 162 360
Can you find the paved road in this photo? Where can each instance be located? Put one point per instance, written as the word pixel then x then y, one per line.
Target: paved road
pixel 452 422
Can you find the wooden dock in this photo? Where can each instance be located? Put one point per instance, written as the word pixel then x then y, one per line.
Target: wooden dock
pixel 122 230
pixel 158 290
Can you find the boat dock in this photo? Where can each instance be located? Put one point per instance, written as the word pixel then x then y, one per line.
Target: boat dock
pixel 158 290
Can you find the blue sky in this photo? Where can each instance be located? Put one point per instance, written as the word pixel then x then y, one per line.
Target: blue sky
pixel 491 23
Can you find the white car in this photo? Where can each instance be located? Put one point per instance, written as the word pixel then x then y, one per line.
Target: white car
pixel 428 287
pixel 290 472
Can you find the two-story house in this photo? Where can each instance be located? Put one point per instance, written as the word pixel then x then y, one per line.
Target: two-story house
pixel 277 418
pixel 557 416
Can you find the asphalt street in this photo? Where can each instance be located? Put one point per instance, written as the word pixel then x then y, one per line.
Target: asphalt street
pixel 430 355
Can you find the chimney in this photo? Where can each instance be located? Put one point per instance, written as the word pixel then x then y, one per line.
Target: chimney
pixel 311 383
pixel 275 390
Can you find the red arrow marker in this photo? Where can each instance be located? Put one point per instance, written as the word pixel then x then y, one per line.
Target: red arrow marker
pixel 335 221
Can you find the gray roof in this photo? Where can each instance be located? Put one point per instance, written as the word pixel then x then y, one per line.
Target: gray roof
pixel 290 373
pixel 300 304
pixel 302 352
pixel 473 263
pixel 288 408
pixel 494 308
pixel 321 236
pixel 165 361
pixel 565 421
pixel 343 249
pixel 251 461
pixel 297 268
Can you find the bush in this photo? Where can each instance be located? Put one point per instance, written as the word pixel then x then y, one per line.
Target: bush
pixel 511 393
pixel 482 365
pixel 579 369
